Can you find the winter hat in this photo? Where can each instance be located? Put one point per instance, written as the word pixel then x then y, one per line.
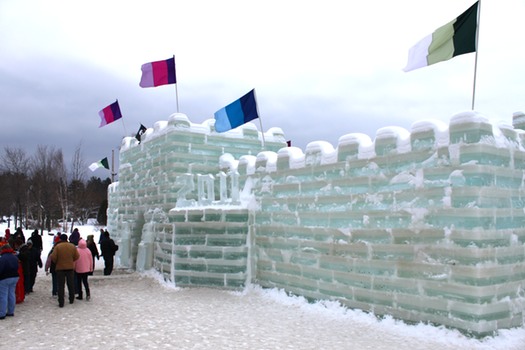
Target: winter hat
pixel 63 237
pixel 29 242
pixel 5 247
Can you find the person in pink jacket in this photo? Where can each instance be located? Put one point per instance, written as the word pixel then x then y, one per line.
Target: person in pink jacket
pixel 83 266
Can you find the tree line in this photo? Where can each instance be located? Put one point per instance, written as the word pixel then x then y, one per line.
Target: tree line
pixel 39 191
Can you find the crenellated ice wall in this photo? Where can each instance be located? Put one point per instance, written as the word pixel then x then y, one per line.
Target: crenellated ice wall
pixel 426 225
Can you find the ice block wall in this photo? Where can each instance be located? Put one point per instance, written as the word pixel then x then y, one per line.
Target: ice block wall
pixel 426 225
pixel 160 212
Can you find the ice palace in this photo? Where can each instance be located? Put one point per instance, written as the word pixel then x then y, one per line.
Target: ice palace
pixel 425 226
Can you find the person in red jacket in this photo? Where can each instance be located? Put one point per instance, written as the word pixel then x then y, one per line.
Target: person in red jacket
pixel 20 292
pixel 56 238
pixel 83 266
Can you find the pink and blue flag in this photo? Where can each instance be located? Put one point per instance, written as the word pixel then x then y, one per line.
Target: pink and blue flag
pixel 237 113
pixel 110 114
pixel 158 73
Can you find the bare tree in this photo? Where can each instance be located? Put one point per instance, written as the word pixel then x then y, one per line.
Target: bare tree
pixel 39 188
pixel 49 184
pixel 78 165
pixel 77 188
pixel 16 168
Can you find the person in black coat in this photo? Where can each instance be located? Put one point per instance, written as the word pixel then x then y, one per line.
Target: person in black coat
pixel 108 249
pixel 37 243
pixel 92 246
pixel 37 240
pixel 74 237
pixel 19 233
pixel 35 262
pixel 102 235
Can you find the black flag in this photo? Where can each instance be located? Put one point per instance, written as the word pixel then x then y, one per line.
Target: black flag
pixel 141 131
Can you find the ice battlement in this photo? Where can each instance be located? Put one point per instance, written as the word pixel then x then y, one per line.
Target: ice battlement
pixel 426 225
pixel 180 122
pixel 464 128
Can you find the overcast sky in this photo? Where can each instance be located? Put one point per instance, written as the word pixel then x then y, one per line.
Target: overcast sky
pixel 321 69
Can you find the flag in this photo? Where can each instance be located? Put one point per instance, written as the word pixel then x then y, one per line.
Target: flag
pixel 455 38
pixel 158 73
pixel 110 114
pixel 100 164
pixel 237 113
pixel 141 131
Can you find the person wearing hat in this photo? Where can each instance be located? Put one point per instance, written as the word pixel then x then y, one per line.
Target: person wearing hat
pixel 64 256
pixel 8 280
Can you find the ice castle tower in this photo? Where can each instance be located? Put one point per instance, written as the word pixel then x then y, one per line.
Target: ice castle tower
pixel 426 225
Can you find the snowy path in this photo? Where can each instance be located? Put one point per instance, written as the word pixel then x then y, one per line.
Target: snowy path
pixel 133 311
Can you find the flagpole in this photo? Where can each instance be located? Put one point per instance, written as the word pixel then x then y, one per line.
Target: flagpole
pixel 112 165
pixel 260 120
pixel 476 57
pixel 122 119
pixel 177 96
pixel 262 132
pixel 124 126
pixel 176 87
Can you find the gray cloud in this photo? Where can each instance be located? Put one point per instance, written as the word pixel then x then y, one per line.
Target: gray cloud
pixel 320 71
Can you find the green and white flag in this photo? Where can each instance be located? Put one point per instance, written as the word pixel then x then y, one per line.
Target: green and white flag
pixel 100 164
pixel 453 39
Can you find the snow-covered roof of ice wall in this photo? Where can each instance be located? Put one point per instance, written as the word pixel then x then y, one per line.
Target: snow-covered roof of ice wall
pixel 425 133
pixel 180 122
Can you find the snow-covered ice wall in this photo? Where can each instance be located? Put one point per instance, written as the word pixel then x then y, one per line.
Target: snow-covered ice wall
pixel 426 225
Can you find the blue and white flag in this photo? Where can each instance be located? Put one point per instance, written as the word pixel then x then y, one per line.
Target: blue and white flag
pixel 237 113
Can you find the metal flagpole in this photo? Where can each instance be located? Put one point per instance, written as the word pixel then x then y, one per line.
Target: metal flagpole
pixel 122 119
pixel 476 58
pixel 176 85
pixel 262 131
pixel 177 96
pixel 260 120
pixel 124 126
pixel 112 165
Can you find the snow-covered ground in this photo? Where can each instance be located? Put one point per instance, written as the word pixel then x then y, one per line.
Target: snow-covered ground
pixel 139 311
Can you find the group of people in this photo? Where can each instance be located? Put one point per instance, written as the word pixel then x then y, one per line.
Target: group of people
pixel 28 253
pixel 19 263
pixel 70 261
